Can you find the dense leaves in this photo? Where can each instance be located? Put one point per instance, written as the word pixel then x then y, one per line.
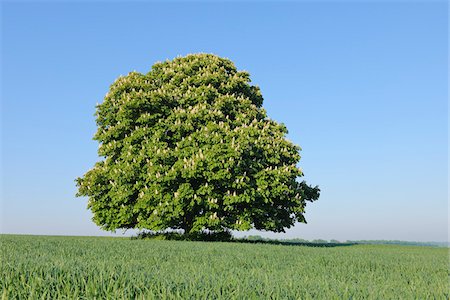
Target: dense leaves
pixel 189 146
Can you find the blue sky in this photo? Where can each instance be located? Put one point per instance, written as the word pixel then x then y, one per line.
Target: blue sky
pixel 362 88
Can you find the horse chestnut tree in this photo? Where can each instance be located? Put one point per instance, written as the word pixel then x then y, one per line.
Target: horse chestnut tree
pixel 189 146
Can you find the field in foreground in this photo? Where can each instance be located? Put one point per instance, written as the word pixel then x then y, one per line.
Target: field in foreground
pixel 115 268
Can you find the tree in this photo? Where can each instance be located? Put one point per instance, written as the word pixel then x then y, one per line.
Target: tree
pixel 189 146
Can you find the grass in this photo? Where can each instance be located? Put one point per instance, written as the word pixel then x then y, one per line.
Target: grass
pixel 45 267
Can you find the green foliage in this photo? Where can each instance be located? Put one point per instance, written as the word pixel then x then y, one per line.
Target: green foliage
pixel 118 268
pixel 189 146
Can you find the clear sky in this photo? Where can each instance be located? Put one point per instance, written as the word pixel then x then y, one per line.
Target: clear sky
pixel 362 88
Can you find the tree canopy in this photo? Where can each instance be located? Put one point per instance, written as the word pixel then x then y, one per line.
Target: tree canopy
pixel 189 146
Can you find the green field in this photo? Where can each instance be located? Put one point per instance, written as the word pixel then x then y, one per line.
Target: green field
pixel 43 267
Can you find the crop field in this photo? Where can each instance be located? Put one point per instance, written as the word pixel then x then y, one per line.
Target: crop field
pixel 44 267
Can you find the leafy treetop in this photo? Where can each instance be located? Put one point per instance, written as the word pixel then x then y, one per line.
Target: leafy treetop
pixel 189 146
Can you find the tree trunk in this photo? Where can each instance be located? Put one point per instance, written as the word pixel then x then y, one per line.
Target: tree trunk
pixel 187 229
pixel 188 224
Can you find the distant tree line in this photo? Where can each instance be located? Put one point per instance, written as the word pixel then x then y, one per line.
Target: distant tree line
pixel 397 242
pixel 371 242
